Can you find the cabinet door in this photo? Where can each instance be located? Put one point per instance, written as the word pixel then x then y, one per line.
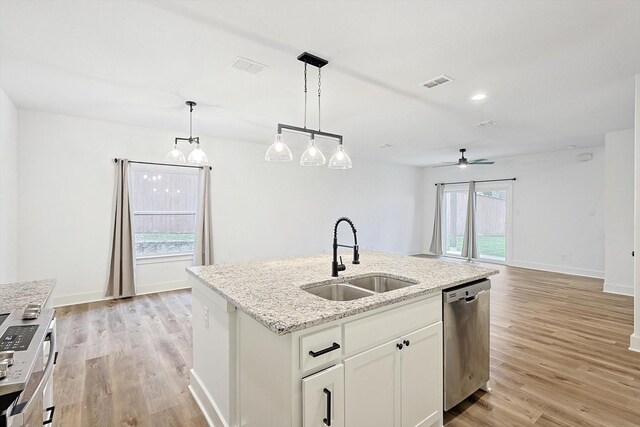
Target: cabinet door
pixel 422 377
pixel 323 398
pixel 371 393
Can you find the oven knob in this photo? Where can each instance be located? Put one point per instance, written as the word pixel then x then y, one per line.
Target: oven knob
pixel 7 357
pixel 4 368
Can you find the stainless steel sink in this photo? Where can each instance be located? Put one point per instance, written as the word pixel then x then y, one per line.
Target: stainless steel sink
pixel 380 283
pixel 339 292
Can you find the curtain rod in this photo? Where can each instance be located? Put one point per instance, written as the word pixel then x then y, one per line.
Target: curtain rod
pixel 480 180
pixel 164 164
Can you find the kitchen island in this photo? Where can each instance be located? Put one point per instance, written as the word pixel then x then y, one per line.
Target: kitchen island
pixel 269 352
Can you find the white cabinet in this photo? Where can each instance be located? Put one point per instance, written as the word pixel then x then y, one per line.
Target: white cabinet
pixel 398 383
pixel 421 378
pixel 323 398
pixel 370 389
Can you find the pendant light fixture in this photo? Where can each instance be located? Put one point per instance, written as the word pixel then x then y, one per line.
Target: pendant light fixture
pixel 197 156
pixel 313 156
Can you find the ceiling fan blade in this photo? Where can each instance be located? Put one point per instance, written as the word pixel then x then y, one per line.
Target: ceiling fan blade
pixel 481 163
pixel 479 160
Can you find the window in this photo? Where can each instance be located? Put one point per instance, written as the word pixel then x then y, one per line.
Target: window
pixel 454 219
pixel 491 224
pixel 164 201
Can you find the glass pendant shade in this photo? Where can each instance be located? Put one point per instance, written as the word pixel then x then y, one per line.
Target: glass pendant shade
pixel 175 156
pixel 198 157
pixel 340 160
pixel 312 155
pixel 278 151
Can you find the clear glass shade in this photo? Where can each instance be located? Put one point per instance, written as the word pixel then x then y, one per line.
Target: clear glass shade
pixel 278 151
pixel 198 157
pixel 340 160
pixel 312 155
pixel 175 156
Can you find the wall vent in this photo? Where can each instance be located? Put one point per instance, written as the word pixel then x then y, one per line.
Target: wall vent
pixel 248 65
pixel 440 80
pixel 485 124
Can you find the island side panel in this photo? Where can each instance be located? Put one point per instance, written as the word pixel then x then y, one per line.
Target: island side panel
pixel 213 377
pixel 264 373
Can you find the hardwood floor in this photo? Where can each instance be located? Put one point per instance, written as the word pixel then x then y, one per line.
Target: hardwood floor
pixel 559 356
pixel 126 363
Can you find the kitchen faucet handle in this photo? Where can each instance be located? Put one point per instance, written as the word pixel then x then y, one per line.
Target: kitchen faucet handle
pixel 341 266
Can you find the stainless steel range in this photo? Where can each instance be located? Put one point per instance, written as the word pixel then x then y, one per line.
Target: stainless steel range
pixel 27 358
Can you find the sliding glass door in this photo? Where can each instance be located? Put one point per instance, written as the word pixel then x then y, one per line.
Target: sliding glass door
pixel 492 221
pixel 491 224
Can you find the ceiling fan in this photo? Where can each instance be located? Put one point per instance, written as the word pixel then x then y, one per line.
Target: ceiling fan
pixel 463 162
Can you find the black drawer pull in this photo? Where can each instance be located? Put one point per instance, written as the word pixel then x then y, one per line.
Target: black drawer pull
pixel 51 410
pixel 334 346
pixel 407 342
pixel 327 421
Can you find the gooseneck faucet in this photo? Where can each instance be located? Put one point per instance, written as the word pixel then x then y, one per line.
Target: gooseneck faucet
pixel 335 267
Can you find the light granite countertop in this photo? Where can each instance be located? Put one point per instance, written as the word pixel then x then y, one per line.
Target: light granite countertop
pixel 14 296
pixel 271 291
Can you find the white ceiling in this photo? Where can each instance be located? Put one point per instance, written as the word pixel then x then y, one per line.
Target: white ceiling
pixel 557 73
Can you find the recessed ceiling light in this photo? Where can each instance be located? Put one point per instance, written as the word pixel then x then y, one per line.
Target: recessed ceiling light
pixel 572 146
pixel 478 96
pixel 385 146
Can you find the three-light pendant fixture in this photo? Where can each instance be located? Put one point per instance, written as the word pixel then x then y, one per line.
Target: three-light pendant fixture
pixel 280 152
pixel 197 156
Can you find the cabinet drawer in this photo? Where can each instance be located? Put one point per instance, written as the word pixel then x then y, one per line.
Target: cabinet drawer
pixel 320 347
pixel 378 328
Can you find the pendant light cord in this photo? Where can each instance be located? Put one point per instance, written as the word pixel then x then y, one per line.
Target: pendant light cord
pixel 305 95
pixel 319 85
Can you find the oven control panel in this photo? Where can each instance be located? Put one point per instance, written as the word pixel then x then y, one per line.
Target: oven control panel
pixel 17 338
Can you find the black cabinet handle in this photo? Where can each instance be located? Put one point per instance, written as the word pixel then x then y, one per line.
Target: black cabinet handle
pixel 407 342
pixel 327 421
pixel 333 346
pixel 399 346
pixel 51 410
pixel 55 358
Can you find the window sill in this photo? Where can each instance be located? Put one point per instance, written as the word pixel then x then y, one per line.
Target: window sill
pixel 157 259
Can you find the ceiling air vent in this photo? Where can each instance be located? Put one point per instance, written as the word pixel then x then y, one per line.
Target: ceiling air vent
pixel 248 65
pixel 485 124
pixel 440 80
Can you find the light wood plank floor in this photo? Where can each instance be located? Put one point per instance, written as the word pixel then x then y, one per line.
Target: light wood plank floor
pixel 558 357
pixel 126 363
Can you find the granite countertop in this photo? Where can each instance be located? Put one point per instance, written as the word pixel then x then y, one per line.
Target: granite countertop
pixel 14 296
pixel 272 292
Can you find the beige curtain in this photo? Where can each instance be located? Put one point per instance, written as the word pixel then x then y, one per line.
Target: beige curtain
pixel 122 276
pixel 469 245
pixel 436 240
pixel 203 253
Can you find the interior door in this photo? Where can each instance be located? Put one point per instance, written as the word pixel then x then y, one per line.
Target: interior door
pixel 371 394
pixel 323 398
pixel 421 361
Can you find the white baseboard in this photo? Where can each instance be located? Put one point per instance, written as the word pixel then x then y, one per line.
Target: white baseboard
pixel 634 343
pixel 558 269
pixel 81 298
pixel 613 288
pixel 205 402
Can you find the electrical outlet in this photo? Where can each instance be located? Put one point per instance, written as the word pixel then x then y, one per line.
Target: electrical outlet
pixel 206 317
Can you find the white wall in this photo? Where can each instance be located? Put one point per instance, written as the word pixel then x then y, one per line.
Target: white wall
pixel 635 338
pixel 618 262
pixel 260 209
pixel 558 208
pixel 8 190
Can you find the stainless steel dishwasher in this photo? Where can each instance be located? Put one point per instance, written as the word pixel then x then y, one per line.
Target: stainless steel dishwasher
pixel 465 314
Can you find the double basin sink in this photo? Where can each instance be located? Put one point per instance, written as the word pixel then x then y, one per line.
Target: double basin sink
pixel 358 288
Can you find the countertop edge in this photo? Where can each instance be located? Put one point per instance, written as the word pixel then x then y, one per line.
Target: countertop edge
pixel 347 313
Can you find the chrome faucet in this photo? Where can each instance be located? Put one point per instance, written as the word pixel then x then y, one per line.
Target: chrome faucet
pixel 335 267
